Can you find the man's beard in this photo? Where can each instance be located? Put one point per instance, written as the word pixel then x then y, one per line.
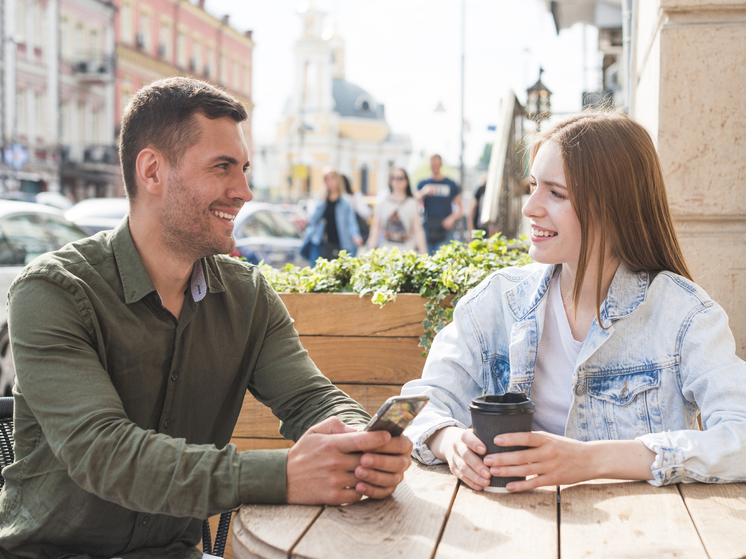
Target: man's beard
pixel 187 228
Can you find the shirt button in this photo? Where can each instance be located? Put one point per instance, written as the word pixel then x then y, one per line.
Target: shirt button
pixel 580 389
pixel 174 376
pixel 624 393
pixel 145 520
pixel 167 423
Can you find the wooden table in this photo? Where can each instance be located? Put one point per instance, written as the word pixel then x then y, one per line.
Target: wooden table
pixel 431 515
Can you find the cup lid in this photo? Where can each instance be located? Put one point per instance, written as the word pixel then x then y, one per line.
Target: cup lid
pixel 505 403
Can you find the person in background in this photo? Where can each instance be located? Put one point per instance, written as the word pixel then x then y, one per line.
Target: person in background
pixel 607 333
pixel 134 350
pixel 475 211
pixel 397 221
pixel 332 225
pixel 441 198
pixel 361 207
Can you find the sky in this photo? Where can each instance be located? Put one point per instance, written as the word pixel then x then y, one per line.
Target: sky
pixel 407 54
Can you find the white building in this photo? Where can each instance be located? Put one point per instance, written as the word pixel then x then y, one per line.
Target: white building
pixel 328 121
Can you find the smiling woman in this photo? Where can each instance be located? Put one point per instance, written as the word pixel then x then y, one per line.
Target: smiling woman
pixel 607 333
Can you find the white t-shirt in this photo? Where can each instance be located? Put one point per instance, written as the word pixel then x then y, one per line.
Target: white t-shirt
pixel 557 357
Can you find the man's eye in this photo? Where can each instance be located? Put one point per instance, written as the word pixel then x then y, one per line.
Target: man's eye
pixel 223 166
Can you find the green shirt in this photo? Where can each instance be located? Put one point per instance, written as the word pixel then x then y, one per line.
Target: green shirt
pixel 123 414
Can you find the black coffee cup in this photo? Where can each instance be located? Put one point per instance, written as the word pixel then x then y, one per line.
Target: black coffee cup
pixel 495 415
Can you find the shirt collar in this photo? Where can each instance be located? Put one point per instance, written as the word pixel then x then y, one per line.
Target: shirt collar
pixel 136 282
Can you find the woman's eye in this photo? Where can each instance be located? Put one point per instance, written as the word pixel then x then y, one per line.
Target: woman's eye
pixel 532 187
pixel 558 195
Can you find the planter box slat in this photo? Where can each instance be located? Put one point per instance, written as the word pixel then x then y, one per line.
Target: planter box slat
pixel 367 351
pixel 348 314
pixel 257 420
pixel 370 360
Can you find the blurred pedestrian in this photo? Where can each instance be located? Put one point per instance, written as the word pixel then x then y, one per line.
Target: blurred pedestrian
pixel 475 212
pixel 442 200
pixel 332 225
pixel 361 207
pixel 396 221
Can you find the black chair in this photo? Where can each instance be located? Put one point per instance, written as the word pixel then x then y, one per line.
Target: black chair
pixel 7 457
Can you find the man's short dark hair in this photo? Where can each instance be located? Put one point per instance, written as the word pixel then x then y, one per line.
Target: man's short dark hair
pixel 162 115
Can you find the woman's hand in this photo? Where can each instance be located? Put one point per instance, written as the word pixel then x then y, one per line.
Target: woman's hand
pixel 357 240
pixel 557 460
pixel 461 449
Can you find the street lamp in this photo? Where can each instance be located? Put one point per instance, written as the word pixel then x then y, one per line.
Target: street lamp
pixel 538 101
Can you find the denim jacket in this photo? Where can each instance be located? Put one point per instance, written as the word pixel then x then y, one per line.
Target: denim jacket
pixel 666 355
pixel 347 226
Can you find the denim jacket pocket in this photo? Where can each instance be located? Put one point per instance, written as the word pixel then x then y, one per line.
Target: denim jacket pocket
pixel 497 377
pixel 625 404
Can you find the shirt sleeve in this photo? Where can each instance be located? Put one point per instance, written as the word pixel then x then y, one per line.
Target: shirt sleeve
pixel 287 381
pixel 712 378
pixel 62 380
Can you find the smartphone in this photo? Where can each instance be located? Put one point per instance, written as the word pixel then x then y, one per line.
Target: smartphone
pixel 396 414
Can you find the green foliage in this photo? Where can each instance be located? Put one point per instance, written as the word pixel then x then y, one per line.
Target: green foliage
pixel 452 271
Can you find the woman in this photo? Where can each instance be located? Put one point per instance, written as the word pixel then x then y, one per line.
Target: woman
pixel 361 207
pixel 607 333
pixel 332 226
pixel 396 222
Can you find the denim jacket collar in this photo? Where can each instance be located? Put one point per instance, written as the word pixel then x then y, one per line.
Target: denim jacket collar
pixel 626 293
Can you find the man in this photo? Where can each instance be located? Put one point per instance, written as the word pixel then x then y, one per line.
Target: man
pixel 439 194
pixel 133 352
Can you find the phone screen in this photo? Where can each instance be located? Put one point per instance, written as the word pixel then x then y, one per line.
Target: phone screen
pixel 396 414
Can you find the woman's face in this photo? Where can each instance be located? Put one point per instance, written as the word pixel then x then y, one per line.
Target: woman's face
pixel 555 229
pixel 398 181
pixel 332 183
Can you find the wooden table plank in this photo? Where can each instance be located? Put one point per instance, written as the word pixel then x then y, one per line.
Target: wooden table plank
pixel 626 519
pixel 405 525
pixel 270 531
pixel 489 525
pixel 719 513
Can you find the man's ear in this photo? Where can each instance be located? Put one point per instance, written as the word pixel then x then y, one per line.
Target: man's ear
pixel 151 169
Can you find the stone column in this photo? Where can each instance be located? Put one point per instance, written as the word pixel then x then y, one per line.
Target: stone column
pixel 690 93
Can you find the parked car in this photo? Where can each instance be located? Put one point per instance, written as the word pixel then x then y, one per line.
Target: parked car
pixel 98 214
pixel 263 234
pixel 27 230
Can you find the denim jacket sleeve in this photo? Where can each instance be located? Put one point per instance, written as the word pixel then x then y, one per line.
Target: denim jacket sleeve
pixel 452 377
pixel 713 378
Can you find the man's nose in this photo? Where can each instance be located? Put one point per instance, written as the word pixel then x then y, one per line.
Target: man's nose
pixel 241 189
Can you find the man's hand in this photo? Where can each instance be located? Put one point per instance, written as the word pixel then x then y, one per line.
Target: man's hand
pixel 321 465
pixel 557 460
pixel 450 221
pixel 382 469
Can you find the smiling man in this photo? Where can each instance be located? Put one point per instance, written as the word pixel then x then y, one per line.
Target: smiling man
pixel 134 350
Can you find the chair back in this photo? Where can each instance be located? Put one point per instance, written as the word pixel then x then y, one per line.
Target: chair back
pixel 6 435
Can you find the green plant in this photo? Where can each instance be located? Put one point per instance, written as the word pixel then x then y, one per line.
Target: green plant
pixel 442 278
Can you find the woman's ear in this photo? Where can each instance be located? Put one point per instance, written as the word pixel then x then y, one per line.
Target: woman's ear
pixel 150 170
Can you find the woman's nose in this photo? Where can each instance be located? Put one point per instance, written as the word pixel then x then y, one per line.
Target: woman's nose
pixel 532 207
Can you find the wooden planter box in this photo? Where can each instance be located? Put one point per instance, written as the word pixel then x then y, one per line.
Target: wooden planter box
pixel 367 351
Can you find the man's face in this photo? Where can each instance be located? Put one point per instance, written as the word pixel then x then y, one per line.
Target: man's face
pixel 435 164
pixel 206 191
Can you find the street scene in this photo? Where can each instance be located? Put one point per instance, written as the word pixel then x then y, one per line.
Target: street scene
pixel 438 214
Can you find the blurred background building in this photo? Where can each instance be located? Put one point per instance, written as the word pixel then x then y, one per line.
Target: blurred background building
pixel 328 121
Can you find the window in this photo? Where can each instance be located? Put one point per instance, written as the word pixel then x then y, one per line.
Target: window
pixel 93 45
pixel 223 69
pixel 39 102
pixel 21 122
pixel 26 239
pixel 125 22
pixel 65 38
pixel 364 180
pixel 247 79
pixel 65 122
pixel 210 63
pixel 96 127
pixel 81 124
pixel 79 45
pixel 144 32
pixel 164 45
pixel 38 25
pixel 197 57
pixel 181 55
pixel 20 30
